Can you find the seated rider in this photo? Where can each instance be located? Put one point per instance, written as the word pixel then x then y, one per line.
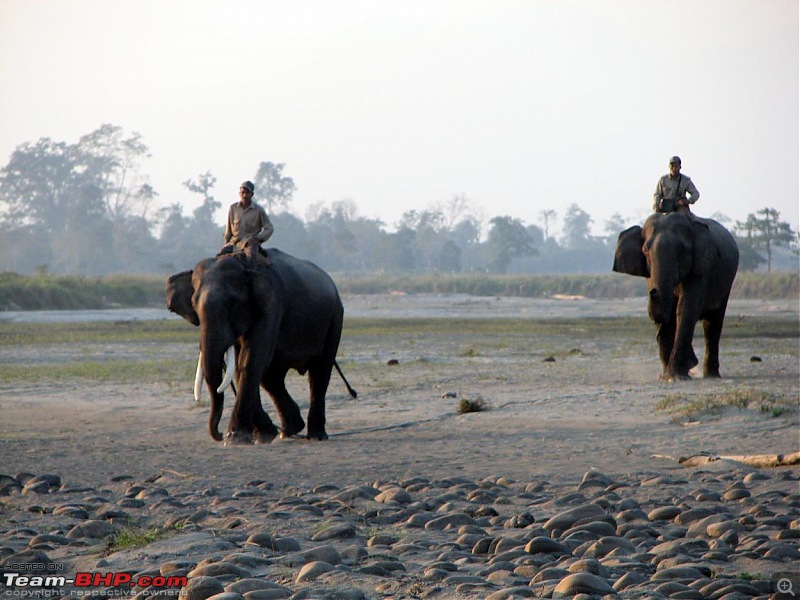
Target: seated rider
pixel 246 220
pixel 672 188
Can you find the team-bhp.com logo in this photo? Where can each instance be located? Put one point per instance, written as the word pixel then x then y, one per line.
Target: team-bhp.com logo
pixel 16 583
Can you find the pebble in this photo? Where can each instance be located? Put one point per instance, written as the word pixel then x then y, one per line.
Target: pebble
pixel 624 535
pixel 201 588
pixel 582 583
pixel 313 570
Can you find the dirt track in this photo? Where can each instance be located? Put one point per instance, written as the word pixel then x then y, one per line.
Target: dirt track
pixel 409 498
pixel 593 407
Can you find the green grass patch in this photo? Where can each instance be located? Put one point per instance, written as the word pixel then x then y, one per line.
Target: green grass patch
pixel 472 405
pixel 682 408
pixel 96 332
pixel 170 371
pixel 470 352
pixel 166 350
pixel 131 537
pixel 573 327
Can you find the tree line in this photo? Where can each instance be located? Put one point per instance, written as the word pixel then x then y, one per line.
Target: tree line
pixel 87 209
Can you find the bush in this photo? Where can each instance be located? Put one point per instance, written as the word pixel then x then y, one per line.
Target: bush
pixel 49 292
pixel 45 292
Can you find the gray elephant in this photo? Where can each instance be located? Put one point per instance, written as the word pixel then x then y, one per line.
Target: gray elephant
pixel 690 264
pixel 279 313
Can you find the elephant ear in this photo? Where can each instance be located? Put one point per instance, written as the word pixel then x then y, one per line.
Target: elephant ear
pixel 704 252
pixel 179 296
pixel 628 257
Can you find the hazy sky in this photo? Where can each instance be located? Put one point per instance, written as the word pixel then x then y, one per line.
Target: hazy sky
pixel 397 105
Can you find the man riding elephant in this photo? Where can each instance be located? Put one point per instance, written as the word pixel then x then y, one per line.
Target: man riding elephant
pixel 246 220
pixel 672 190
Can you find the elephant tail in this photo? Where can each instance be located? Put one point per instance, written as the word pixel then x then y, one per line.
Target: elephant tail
pixel 353 393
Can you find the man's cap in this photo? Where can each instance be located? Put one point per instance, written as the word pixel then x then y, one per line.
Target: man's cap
pixel 675 160
pixel 248 185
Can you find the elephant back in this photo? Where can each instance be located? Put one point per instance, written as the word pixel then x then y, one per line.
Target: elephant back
pixel 301 276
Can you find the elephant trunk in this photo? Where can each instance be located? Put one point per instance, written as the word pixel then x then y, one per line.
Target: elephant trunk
pixel 214 418
pixel 661 304
pixel 654 307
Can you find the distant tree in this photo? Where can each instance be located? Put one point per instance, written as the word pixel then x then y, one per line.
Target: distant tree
pixel 368 233
pixel 536 234
pixel 331 241
pixel 273 189
pixel 577 230
pixel 449 259
pixel 314 211
pixel 114 159
pixel 203 185
pixel 396 251
pixel 454 210
pixel 41 183
pixel 614 225
pixel 467 232
pixel 203 224
pixel 184 240
pixel 507 239
pixel 320 235
pixel 345 247
pixel 344 211
pixel 291 236
pixel 409 220
pixel 429 227
pixel 547 216
pixel 763 230
pixel 173 223
pixel 77 198
pixel 749 258
pixel 721 218
pixel 85 242
pixel 135 245
pixel 174 245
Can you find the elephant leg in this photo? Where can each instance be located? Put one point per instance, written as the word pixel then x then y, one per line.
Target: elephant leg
pixel 264 430
pixel 691 360
pixel 712 330
pixel 291 421
pixel 249 423
pixel 319 376
pixel 683 358
pixel 665 337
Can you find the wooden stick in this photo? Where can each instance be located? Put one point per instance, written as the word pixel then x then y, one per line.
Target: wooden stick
pixel 753 460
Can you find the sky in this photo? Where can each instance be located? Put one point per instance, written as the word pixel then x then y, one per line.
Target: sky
pixel 521 106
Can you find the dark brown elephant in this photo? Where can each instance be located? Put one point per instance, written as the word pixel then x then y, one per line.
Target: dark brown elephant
pixel 279 313
pixel 690 264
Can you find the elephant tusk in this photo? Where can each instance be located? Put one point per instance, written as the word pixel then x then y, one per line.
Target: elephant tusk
pixel 230 367
pixel 198 378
